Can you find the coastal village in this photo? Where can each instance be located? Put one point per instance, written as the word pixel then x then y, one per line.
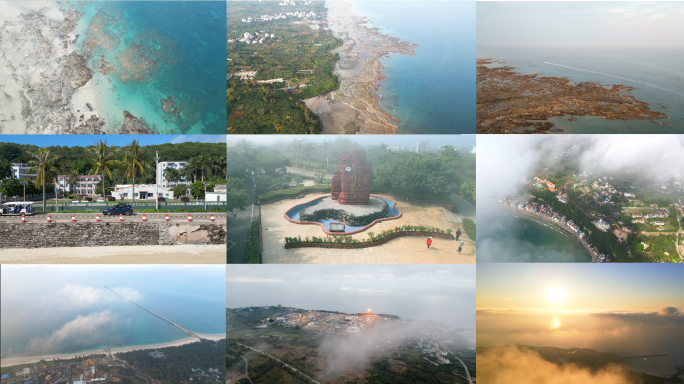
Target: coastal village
pixel 354 325
pixel 547 214
pixel 627 214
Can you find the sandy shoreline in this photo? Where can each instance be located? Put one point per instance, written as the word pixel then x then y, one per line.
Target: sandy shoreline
pixel 354 106
pixel 140 254
pixel 551 222
pixel 65 356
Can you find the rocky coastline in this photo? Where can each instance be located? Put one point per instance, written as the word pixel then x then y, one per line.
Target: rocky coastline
pixel 354 106
pixel 508 102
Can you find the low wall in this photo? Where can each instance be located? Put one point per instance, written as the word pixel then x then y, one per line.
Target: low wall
pixel 16 235
pixel 367 245
pixel 343 216
pixel 342 233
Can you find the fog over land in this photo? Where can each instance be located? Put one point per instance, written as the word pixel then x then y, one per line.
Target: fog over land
pixel 505 162
pixel 445 294
pixel 628 310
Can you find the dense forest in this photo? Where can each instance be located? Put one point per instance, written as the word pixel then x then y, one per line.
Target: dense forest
pixel 296 53
pixel 207 162
pixel 177 364
pixel 445 172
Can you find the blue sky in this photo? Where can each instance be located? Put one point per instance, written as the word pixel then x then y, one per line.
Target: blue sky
pixel 118 140
pixel 580 23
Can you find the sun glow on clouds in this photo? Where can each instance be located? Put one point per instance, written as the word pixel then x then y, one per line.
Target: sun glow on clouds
pixel 555 295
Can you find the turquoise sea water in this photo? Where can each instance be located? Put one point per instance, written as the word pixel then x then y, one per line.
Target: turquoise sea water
pixel 655 73
pixel 174 48
pixel 433 91
pixel 66 310
pixel 511 237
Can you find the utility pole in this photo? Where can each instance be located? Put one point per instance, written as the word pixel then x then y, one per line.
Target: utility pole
pixel 156 159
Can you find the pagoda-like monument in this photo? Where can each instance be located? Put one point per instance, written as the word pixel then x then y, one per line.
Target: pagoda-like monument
pixel 350 184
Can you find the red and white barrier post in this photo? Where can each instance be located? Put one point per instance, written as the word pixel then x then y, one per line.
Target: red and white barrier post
pixel 212 217
pixel 23 219
pixel 120 218
pixel 97 218
pixel 189 218
pixel 167 217
pixel 143 217
pixel 48 218
pixel 73 218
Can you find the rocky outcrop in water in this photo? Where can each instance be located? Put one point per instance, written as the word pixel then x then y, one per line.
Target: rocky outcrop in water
pixel 134 126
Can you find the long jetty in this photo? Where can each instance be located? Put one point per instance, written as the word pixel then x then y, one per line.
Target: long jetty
pixel 156 314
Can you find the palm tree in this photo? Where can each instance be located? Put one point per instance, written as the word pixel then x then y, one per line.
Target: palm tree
pixel 217 167
pixel 103 161
pixel 170 175
pixel 44 168
pixel 72 179
pixel 5 169
pixel 189 171
pixel 202 164
pixel 134 162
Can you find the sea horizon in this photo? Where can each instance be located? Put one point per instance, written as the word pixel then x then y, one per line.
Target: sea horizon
pixel 653 72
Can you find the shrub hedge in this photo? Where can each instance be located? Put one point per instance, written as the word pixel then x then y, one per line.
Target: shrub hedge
pixel 253 255
pixel 469 228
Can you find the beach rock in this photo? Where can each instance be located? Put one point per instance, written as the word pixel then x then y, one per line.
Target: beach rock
pixel 134 126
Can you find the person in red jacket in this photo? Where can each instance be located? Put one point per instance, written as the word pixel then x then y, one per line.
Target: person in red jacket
pixel 429 242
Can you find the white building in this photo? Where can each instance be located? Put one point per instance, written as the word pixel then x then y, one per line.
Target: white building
pixel 21 171
pixel 423 146
pixel 219 193
pixel 142 192
pixel 178 165
pixel 85 184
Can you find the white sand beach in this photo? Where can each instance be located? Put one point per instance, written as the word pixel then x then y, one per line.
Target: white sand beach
pixel 33 359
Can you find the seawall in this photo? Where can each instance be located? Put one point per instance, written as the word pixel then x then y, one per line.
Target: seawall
pixel 16 235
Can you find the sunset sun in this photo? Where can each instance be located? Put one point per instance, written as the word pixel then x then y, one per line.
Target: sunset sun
pixel 555 295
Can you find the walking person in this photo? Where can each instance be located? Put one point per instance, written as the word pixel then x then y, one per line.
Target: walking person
pixel 429 242
pixel 458 233
pixel 460 248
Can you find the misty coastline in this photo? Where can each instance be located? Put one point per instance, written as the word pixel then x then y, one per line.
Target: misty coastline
pixel 10 361
pixel 546 220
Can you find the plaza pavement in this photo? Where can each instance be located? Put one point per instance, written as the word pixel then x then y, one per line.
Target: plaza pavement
pixel 402 250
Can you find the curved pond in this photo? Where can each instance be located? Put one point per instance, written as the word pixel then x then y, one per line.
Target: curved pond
pixel 293 213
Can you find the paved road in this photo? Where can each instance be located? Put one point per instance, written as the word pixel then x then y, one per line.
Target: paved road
pixel 219 217
pixel 299 171
pixel 470 381
pixel 280 361
pixel 464 208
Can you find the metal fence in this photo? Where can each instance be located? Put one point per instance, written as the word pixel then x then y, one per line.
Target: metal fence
pixel 99 206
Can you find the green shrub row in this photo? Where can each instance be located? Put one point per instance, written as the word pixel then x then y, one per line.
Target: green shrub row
pixel 336 239
pixel 292 192
pixel 253 255
pixel 469 228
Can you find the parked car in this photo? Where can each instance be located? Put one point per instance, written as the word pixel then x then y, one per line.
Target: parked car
pixel 119 209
